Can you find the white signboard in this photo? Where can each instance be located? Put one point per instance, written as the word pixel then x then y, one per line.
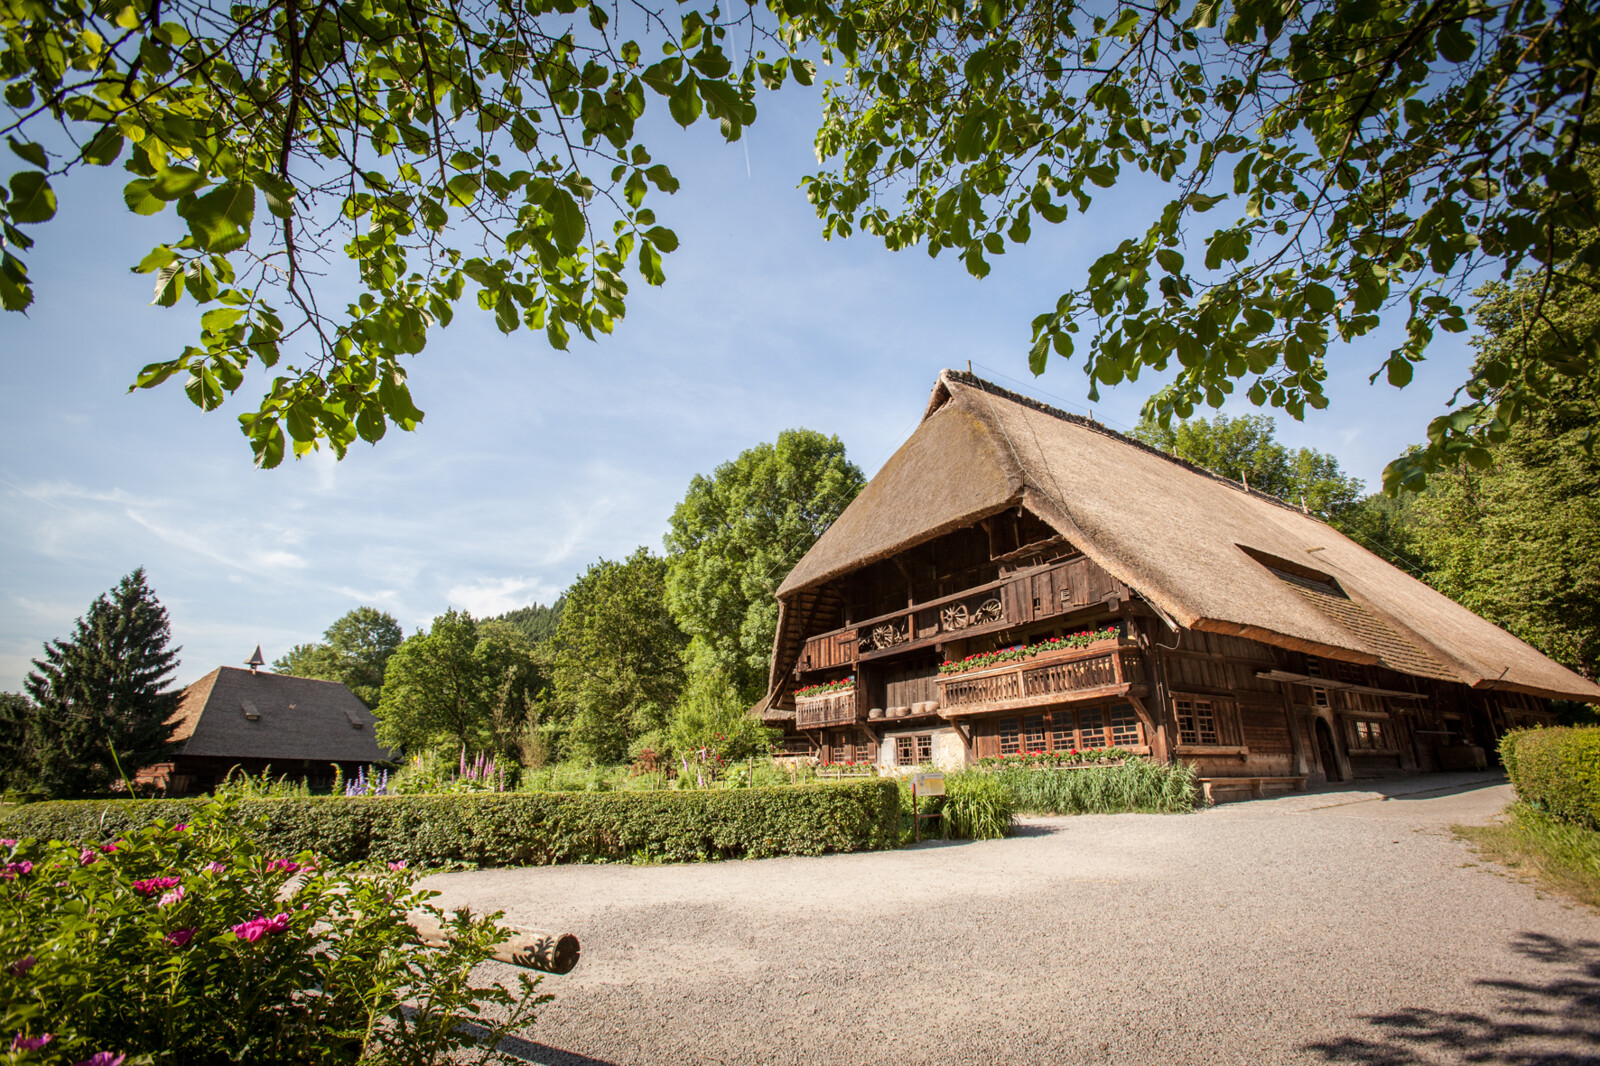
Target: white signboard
pixel 929 784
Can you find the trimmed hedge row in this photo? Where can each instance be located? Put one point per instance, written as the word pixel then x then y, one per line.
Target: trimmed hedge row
pixel 1557 771
pixel 524 829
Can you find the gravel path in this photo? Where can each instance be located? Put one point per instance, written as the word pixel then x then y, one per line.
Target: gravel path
pixel 1338 926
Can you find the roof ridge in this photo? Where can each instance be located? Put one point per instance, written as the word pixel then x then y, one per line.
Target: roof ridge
pixel 974 381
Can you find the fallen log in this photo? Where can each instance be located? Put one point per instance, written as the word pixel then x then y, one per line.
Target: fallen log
pixel 555 953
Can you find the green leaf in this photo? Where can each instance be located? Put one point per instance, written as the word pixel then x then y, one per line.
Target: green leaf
pixel 684 103
pixel 566 220
pixel 32 199
pixel 1170 260
pixel 33 153
pixel 220 220
pixel 662 238
pixel 176 182
pixel 1399 371
pixel 140 200
pixel 462 189
pixel 1319 298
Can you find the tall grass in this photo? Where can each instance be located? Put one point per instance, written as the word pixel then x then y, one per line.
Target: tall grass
pixel 976 807
pixel 1561 856
pixel 1136 785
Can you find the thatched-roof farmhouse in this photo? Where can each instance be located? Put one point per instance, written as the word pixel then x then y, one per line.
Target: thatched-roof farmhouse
pixel 1194 618
pixel 242 718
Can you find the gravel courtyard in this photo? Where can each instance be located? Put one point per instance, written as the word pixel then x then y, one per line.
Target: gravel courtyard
pixel 1338 926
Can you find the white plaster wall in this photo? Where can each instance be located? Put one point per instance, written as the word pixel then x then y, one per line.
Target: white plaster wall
pixel 949 753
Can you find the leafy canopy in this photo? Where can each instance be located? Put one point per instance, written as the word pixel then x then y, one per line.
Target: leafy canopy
pixel 736 535
pixel 462 684
pixel 354 651
pixel 433 147
pixel 1371 155
pixel 618 657
pixel 1245 449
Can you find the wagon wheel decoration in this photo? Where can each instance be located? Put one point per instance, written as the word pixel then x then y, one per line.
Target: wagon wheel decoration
pixel 954 617
pixel 886 636
pixel 991 611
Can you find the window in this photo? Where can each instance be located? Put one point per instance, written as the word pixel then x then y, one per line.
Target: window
pixel 1062 735
pixel 1319 696
pixel 1092 729
pixel 1197 721
pixel 1368 734
pixel 1125 730
pixel 913 751
pixel 1033 732
pixel 1313 666
pixel 1010 736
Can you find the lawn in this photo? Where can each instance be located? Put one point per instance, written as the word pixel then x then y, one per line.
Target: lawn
pixel 1561 857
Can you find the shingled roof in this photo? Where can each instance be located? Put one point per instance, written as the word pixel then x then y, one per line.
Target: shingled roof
pixel 1210 553
pixel 237 714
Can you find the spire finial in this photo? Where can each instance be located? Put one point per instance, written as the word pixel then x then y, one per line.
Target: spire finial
pixel 256 660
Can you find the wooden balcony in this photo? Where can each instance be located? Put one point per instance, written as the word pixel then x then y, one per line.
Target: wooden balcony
pixel 1107 668
pixel 1028 596
pixel 818 712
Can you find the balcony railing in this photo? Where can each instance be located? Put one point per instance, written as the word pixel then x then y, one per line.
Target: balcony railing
pixel 1107 668
pixel 834 708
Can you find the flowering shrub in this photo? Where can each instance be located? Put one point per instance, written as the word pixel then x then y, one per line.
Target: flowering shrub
pixel 362 785
pixel 825 687
pixel 979 660
pixel 191 943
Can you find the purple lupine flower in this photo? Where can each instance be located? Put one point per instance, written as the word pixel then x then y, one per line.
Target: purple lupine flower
pixel 102 1058
pixel 30 1043
pixel 22 966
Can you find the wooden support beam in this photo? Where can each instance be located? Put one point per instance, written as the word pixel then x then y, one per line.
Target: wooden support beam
pixel 555 953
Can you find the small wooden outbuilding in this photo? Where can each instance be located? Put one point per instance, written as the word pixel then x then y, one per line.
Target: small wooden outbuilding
pixel 1195 619
pixel 253 720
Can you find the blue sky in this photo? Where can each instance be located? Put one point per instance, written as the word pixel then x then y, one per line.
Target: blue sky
pixel 531 463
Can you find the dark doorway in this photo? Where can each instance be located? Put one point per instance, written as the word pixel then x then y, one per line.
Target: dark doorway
pixel 1327 752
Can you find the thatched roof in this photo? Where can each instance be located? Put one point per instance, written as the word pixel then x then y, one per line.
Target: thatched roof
pixel 237 714
pixel 1206 551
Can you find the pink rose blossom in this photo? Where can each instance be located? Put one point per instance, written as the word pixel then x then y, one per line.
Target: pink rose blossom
pixel 108 848
pixel 22 965
pixel 258 927
pixel 401 865
pixel 171 897
pixel 214 868
pixel 151 885
pixel 88 857
pixel 30 1043
pixel 180 937
pixel 288 866
pixel 180 827
pixel 102 1058
pixel 15 869
pixel 7 842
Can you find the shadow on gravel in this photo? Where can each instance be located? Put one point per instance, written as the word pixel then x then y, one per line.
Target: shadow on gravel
pixel 1411 787
pixel 529 1051
pixel 1556 1023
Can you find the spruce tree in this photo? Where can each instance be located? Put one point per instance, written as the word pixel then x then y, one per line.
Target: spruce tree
pixel 104 690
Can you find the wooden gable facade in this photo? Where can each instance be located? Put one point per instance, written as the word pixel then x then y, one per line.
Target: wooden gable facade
pixel 1183 617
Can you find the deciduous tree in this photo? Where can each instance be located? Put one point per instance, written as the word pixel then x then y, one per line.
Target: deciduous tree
pixel 462 684
pixel 735 537
pixel 354 652
pixel 618 657
pixel 102 696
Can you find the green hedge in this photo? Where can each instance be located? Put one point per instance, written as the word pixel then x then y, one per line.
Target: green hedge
pixel 1557 771
pixel 524 829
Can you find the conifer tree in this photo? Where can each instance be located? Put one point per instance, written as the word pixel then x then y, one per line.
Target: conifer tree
pixel 102 696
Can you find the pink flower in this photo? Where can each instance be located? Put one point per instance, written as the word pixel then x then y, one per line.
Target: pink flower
pixel 401 865
pixel 22 965
pixel 214 868
pixel 30 1043
pixel 102 1058
pixel 7 842
pixel 88 857
pixel 108 848
pixel 171 897
pixel 288 866
pixel 180 937
pixel 258 927
pixel 180 827
pixel 151 885
pixel 14 869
